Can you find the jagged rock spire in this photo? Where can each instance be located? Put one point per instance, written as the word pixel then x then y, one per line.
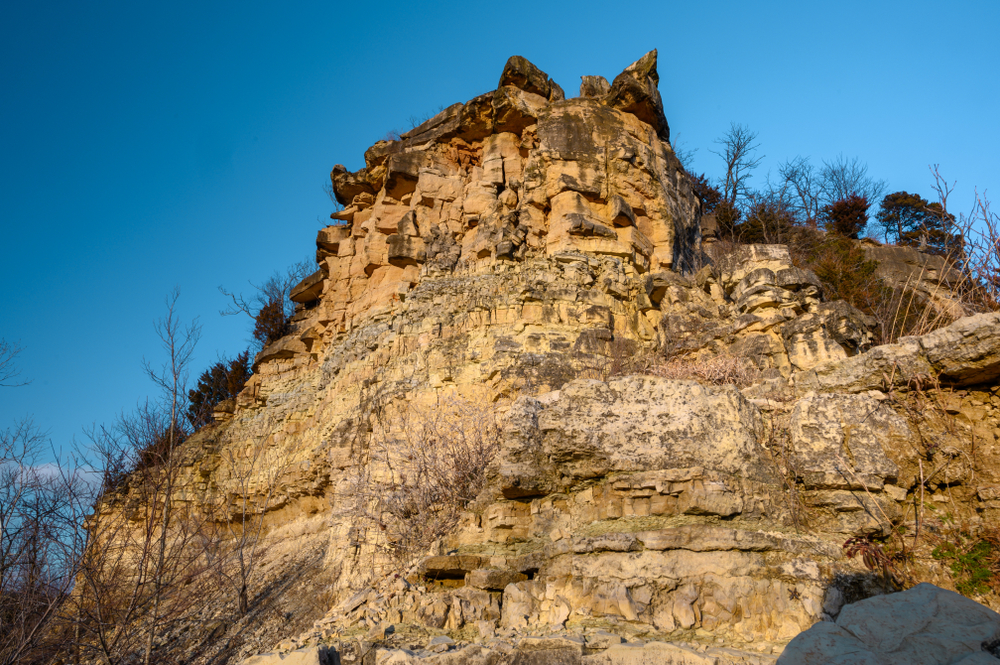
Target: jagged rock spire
pixel 636 91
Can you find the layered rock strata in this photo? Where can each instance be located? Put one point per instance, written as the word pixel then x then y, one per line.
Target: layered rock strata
pixel 507 254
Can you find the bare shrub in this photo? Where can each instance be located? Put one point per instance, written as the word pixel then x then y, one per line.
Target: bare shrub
pixel 270 306
pixel 251 471
pixel 42 504
pixel 981 256
pixel 719 370
pixel 134 580
pixel 622 356
pixel 972 265
pixel 423 467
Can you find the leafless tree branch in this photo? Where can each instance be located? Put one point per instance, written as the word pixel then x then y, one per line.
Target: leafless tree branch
pixel 8 370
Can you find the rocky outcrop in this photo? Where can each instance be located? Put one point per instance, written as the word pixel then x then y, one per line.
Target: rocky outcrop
pixel 924 625
pixel 517 171
pixel 933 279
pixel 965 353
pixel 514 255
pixel 753 302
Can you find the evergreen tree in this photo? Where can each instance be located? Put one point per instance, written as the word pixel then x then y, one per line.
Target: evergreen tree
pixel 909 219
pixel 223 380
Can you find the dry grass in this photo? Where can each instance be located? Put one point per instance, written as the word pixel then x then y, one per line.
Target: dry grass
pixel 624 357
pixel 720 370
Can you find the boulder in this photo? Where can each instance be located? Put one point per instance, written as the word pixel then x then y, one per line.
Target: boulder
pixel 925 625
pixel 347 185
pixel 520 73
pixel 967 352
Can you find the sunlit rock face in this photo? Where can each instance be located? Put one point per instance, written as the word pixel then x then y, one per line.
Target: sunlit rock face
pixel 516 173
pixel 498 267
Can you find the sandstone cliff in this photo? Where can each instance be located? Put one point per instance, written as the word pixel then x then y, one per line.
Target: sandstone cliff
pixel 491 271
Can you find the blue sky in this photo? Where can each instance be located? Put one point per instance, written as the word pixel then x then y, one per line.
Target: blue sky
pixel 147 146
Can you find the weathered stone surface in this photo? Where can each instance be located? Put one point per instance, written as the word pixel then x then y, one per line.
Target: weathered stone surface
pixel 876 369
pixel 453 567
pixel 925 625
pixel 662 653
pixel 754 303
pixel 285 348
pixel 966 352
pixel 308 289
pixel 405 250
pixel 497 580
pixel 594 86
pixel 839 441
pixel 439 127
pixel 347 185
pixel 589 429
pixel 931 277
pixel 522 74
pixel 707 539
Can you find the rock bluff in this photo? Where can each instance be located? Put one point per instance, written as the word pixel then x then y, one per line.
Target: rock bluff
pixel 506 254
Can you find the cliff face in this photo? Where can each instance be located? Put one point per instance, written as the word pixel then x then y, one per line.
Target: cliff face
pixel 491 274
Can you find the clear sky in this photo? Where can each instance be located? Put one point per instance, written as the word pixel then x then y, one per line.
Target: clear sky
pixel 153 145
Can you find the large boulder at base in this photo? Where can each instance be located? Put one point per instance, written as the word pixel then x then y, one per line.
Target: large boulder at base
pixel 925 625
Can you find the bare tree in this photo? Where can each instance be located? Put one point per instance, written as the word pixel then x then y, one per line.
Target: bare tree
pixel 8 370
pixel 141 553
pixel 270 303
pixel 800 184
pixel 983 248
pixel 842 177
pixel 423 467
pixel 42 501
pixel 684 154
pixel 739 151
pixel 178 342
pixel 950 226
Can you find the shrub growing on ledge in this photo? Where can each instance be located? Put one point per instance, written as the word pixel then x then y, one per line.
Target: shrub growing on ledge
pixel 271 323
pixel 223 380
